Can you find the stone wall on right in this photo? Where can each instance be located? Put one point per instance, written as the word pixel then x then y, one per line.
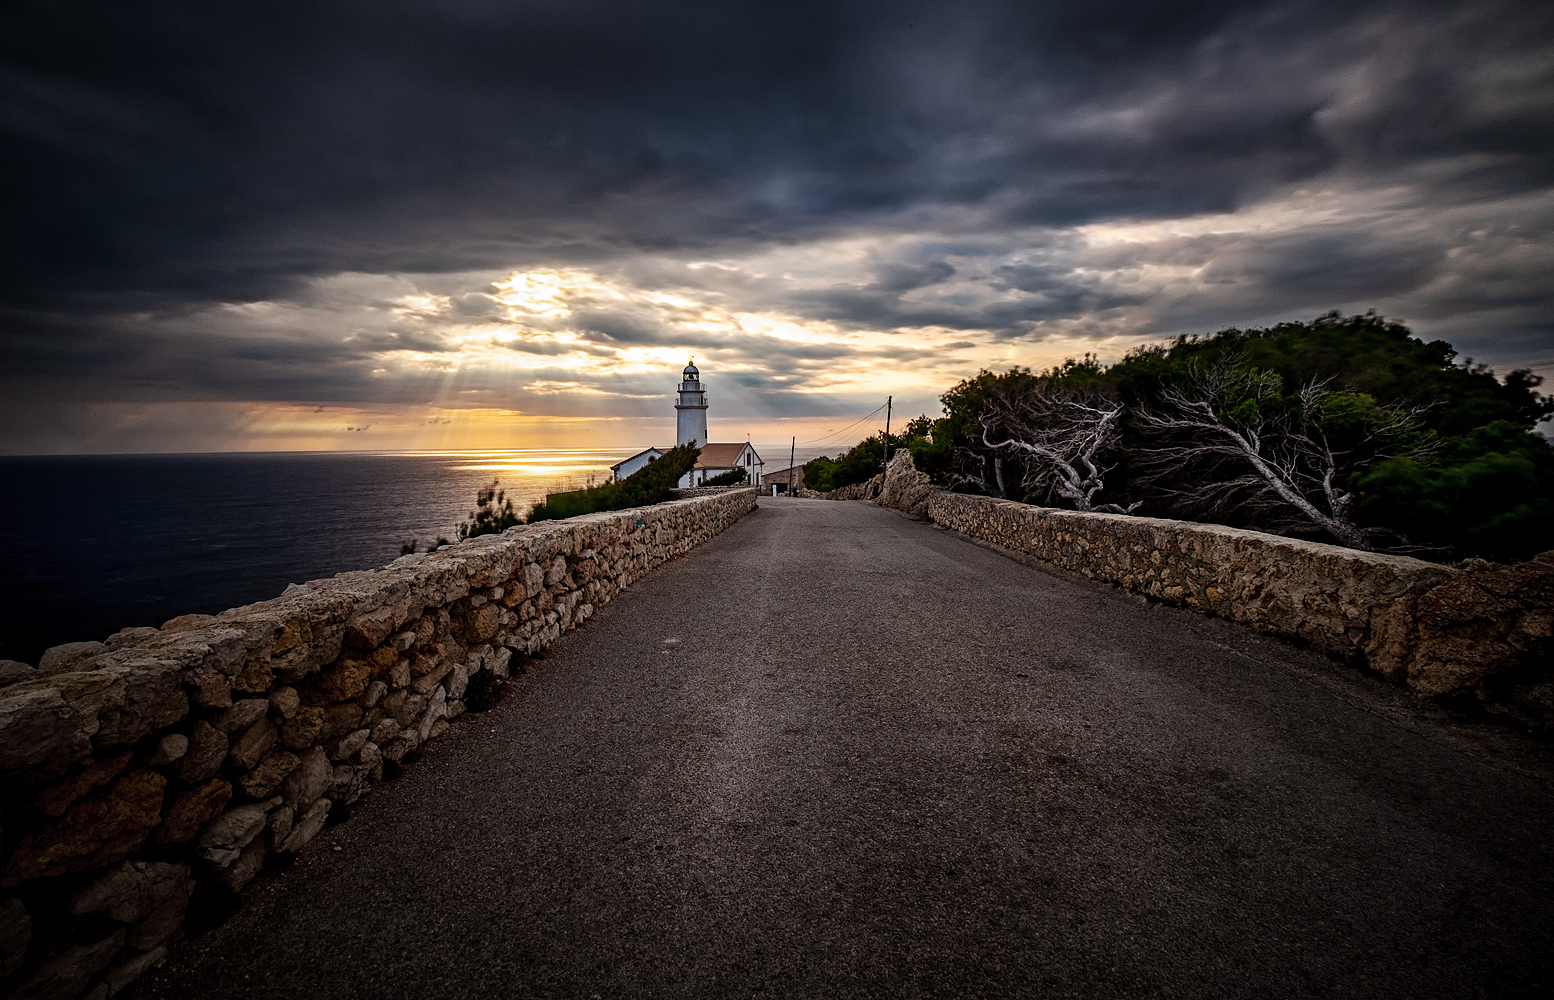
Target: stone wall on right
pixel 1470 632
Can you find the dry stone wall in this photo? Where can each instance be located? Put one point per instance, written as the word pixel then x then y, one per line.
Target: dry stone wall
pixel 167 764
pixel 1474 631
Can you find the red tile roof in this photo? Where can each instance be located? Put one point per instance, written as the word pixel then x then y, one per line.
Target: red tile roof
pixel 723 455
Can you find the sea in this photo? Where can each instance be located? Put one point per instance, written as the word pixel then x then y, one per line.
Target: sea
pixel 94 544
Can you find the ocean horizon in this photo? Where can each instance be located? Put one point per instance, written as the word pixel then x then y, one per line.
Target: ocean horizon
pixel 98 543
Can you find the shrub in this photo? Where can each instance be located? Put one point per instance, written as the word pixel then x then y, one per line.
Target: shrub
pixel 732 477
pixel 492 515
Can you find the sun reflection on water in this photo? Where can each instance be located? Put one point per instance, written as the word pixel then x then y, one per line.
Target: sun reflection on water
pixel 527 475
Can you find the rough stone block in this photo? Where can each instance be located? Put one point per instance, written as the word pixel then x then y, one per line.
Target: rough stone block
pixel 69 656
pixel 256 677
pixel 309 781
pixel 533 579
pixel 100 830
pixel 255 742
pixel 396 749
pixel 380 661
pixel 281 820
pixel 425 629
pixel 14 671
pixel 306 827
pixel 131 636
pixel 394 702
pixel 347 784
pixel 169 748
pixel 241 872
pixel 208 688
pixel 371 630
pixel 346 680
pixel 225 839
pixel 375 692
pixel 427 660
pixel 292 633
pixel 163 922
pixel 409 713
pixel 284 702
pixel 426 682
pixel 347 746
pixel 267 775
pixel 340 719
pixel 435 710
pixel 56 800
pixel 457 680
pixel 384 731
pixel 242 714
pixel 301 731
pixel 192 810
pixel 130 891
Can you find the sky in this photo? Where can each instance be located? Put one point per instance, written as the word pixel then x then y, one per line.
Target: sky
pixel 479 224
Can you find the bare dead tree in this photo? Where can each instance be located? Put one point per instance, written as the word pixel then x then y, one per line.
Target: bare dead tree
pixel 983 471
pixel 1226 442
pixel 1064 436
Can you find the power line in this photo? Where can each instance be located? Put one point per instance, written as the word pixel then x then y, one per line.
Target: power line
pixel 835 434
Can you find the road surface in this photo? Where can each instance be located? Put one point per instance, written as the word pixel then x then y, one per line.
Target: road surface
pixel 840 753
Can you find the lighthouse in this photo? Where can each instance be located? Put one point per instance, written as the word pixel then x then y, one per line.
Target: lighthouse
pixel 714 458
pixel 691 410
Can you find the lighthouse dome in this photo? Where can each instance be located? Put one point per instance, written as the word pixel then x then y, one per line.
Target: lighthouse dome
pixel 691 373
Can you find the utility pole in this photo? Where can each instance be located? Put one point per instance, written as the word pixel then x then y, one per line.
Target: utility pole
pixel 793 444
pixel 887 430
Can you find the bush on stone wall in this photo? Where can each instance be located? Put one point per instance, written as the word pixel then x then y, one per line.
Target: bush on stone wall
pixel 648 485
pixel 493 513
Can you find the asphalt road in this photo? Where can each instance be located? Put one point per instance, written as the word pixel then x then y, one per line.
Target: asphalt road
pixel 840 753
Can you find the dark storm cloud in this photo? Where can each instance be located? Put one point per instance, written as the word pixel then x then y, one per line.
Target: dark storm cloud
pixel 223 149
pixel 162 159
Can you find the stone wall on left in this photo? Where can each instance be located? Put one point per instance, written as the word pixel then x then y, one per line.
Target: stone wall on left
pixel 166 765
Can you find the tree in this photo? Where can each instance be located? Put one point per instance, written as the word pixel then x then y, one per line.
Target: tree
pixel 1488 493
pixel 1005 471
pixel 858 463
pixel 1065 434
pixel 1226 443
pixel 732 477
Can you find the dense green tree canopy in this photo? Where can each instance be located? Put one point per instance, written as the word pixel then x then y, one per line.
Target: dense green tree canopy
pixel 1423 454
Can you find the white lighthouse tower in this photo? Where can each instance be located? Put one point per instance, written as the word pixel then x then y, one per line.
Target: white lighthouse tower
pixel 691 410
